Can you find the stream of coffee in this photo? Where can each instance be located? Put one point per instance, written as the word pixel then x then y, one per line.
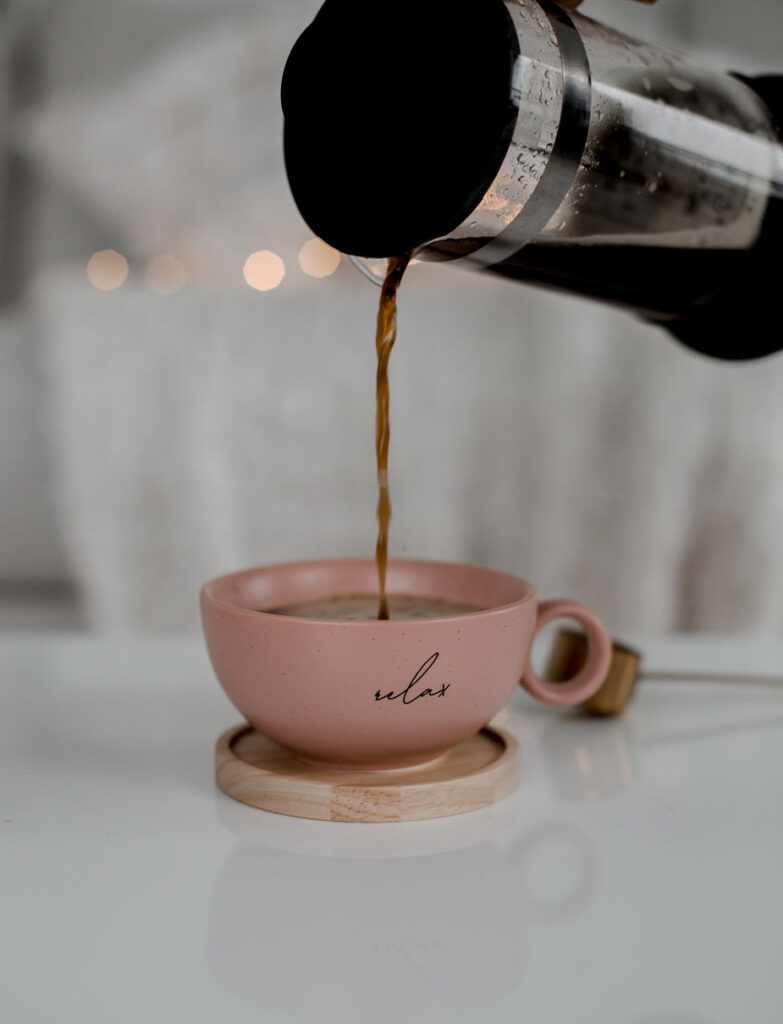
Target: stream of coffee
pixel 385 336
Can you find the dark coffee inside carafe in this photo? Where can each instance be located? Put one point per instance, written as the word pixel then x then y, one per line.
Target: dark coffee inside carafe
pixel 715 300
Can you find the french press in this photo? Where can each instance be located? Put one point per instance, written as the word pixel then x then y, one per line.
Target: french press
pixel 515 138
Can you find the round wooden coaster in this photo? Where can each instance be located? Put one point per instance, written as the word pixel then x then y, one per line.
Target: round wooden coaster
pixel 257 771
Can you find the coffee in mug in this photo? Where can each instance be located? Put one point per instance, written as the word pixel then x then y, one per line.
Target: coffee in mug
pixel 364 607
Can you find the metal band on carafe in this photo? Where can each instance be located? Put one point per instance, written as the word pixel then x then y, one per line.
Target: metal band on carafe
pixel 567 149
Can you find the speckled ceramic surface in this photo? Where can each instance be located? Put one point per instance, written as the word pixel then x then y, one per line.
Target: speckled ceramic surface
pixel 390 694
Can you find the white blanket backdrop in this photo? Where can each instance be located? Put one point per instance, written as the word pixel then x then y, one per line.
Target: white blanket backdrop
pixel 196 434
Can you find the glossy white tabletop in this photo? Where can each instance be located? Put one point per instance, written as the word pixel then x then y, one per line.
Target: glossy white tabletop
pixel 633 878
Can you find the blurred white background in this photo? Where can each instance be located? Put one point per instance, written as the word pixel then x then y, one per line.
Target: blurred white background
pixel 183 423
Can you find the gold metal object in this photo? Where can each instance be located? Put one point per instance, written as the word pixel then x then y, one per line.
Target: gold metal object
pixel 567 657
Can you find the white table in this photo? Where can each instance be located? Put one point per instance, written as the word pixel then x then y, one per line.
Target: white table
pixel 633 878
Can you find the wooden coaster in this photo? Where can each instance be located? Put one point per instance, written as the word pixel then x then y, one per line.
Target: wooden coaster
pixel 257 771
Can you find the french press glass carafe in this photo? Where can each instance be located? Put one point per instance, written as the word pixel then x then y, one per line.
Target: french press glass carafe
pixel 516 139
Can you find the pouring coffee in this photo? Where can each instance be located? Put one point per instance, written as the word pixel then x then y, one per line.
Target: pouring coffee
pixel 510 137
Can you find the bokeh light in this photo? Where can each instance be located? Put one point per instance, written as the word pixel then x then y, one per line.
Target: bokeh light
pixel 107 269
pixel 318 259
pixel 264 270
pixel 165 274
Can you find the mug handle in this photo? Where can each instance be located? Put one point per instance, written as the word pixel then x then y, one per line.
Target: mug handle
pixel 589 679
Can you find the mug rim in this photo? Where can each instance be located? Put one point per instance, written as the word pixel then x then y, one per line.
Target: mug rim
pixel 207 595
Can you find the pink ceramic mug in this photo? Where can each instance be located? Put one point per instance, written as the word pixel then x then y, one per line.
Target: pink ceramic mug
pixel 375 695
